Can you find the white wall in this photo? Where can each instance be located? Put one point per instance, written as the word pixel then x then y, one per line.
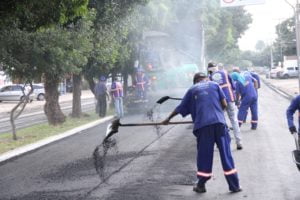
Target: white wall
pixel 4 79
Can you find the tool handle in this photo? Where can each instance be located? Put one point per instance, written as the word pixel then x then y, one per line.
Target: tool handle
pixel 156 124
pixel 175 98
pixel 296 140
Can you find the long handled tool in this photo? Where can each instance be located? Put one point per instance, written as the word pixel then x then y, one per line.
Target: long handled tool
pixel 296 153
pixel 165 98
pixel 113 127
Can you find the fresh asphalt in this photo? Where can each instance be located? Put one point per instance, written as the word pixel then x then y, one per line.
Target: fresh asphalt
pixel 151 165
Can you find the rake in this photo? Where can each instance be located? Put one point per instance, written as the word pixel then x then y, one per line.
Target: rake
pixel 165 98
pixel 113 127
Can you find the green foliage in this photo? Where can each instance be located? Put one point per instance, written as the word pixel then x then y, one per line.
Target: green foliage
pixel 261 58
pixel 223 26
pixel 33 14
pixel 55 51
pixel 285 44
pixel 113 27
pixel 260 45
pixel 61 37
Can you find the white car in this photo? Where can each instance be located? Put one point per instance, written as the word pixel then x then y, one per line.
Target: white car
pixel 289 72
pixel 14 93
pixel 39 91
pixel 274 73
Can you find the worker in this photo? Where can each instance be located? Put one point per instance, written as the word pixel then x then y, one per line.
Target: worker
pixel 101 94
pixel 247 95
pixel 205 102
pixel 294 106
pixel 225 82
pixel 117 96
pixel 256 76
pixel 141 84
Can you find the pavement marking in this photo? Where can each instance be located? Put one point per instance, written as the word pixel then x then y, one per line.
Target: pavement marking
pixel 30 147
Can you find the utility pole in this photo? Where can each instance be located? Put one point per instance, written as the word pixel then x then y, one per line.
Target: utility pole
pixel 271 57
pixel 297 24
pixel 297 27
pixel 203 63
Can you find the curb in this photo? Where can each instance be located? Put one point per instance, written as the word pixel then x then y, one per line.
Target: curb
pixel 278 90
pixel 31 147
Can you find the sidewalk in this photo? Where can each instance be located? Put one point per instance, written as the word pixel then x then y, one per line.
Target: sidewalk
pixel 5 107
pixel 286 87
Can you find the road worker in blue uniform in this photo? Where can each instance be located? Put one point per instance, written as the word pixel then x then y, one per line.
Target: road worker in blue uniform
pixel 246 92
pixel 117 96
pixel 225 82
pixel 205 102
pixel 256 76
pixel 141 84
pixel 294 106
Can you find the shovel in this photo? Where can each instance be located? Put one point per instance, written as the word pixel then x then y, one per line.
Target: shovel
pixel 165 98
pixel 113 127
pixel 296 153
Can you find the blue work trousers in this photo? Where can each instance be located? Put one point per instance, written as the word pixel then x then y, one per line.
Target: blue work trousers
pixel 242 114
pixel 141 93
pixel 206 139
pixel 118 101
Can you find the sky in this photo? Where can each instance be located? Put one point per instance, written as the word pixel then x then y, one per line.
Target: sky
pixel 265 18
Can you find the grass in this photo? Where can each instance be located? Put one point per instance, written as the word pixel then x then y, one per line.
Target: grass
pixel 38 132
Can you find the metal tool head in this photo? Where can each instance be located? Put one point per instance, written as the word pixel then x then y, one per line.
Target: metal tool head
pixel 112 129
pixel 163 99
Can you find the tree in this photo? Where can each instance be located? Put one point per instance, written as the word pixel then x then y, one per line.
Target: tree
pixel 81 32
pixel 19 45
pixel 112 28
pixel 35 14
pixel 285 43
pixel 260 45
pixel 52 51
pixel 223 26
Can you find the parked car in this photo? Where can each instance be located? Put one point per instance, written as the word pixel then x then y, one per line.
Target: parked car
pixel 288 72
pixel 274 73
pixel 39 91
pixel 14 93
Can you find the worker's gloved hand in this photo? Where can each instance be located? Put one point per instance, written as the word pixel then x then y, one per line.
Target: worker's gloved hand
pixel 166 121
pixel 237 103
pixel 293 129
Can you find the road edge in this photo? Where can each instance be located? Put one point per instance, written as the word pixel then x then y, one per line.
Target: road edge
pixel 39 144
pixel 278 90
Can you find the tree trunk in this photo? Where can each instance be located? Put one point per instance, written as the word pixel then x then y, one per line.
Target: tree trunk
pixel 76 107
pixel 125 86
pixel 91 84
pixel 52 108
pixel 15 113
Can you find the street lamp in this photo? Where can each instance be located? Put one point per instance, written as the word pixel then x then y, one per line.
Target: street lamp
pixel 297 26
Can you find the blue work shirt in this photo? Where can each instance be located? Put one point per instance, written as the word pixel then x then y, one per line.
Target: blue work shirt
pixel 247 91
pixel 295 105
pixel 100 88
pixel 203 102
pixel 225 82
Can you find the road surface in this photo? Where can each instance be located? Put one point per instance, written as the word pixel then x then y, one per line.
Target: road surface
pixel 158 166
